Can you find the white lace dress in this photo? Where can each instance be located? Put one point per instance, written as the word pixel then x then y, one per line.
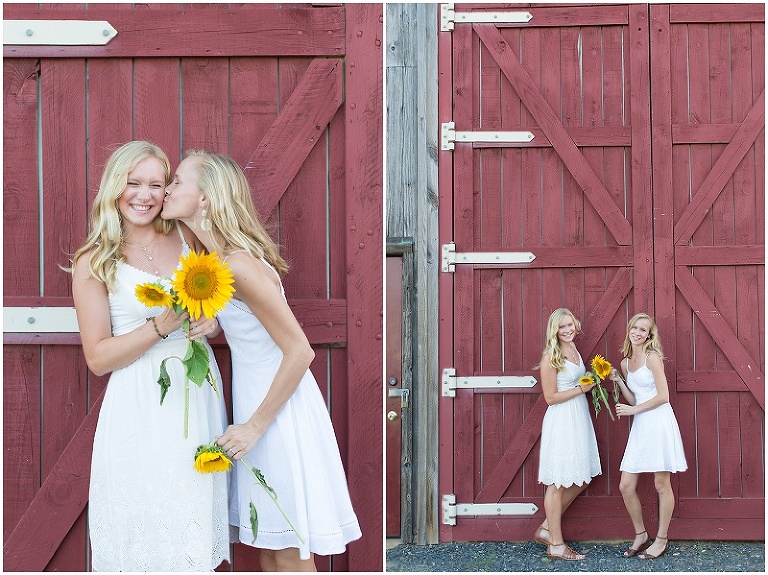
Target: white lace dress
pixel 654 442
pixel 149 510
pixel 298 454
pixel 569 454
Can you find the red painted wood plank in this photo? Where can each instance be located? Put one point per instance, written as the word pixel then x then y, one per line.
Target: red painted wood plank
pixel 465 72
pixel 304 206
pixel 364 113
pixel 703 133
pixel 205 105
pixel 571 202
pixel 64 182
pixel 513 405
pixel 640 104
pixel 730 255
pixel 156 114
pixel 719 507
pixel 21 432
pixel 298 128
pixel 164 32
pixel 56 505
pixel 721 380
pixel 552 126
pixel 740 359
pixel 710 14
pixel 596 90
pixel 110 117
pixel 254 104
pixel 20 180
pixel 721 172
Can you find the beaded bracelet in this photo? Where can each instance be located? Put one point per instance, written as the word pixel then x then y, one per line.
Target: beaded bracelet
pixel 157 331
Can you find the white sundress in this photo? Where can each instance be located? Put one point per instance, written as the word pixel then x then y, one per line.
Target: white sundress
pixel 654 442
pixel 149 510
pixel 298 455
pixel 569 454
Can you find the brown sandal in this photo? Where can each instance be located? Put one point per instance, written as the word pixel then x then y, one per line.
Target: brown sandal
pixel 649 556
pixel 568 554
pixel 542 535
pixel 631 552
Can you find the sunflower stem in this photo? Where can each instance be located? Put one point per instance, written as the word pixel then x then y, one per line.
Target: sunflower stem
pixel 270 492
pixel 186 408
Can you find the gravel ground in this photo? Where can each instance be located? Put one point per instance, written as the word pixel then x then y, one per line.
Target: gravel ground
pixel 723 556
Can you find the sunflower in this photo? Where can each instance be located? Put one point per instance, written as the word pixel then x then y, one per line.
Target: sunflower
pixel 586 379
pixel 210 458
pixel 153 295
pixel 601 366
pixel 203 284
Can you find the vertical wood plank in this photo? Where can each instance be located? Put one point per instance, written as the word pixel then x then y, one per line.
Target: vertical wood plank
pixel 20 180
pixel 595 90
pixel 463 279
pixel 21 432
pixel 670 168
pixel 364 113
pixel 156 96
pixel 64 388
pixel 704 346
pixel 205 104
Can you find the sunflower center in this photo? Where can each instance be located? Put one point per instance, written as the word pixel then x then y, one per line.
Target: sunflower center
pixel 200 282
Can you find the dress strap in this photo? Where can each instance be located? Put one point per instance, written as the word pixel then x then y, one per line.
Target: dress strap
pixel 646 358
pixel 181 234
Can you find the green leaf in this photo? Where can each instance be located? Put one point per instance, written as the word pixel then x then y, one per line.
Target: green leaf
pixel 254 521
pixel 164 381
pixel 196 362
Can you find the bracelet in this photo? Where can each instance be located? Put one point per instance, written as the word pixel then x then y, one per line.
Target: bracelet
pixel 157 331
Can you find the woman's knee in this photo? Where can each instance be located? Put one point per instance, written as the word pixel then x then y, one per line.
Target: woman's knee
pixel 662 483
pixel 627 485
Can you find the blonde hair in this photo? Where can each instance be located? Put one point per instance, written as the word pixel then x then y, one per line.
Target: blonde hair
pixel 231 211
pixel 551 342
pixel 106 233
pixel 653 343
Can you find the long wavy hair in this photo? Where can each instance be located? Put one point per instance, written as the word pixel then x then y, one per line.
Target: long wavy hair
pixel 232 212
pixel 653 343
pixel 106 236
pixel 551 342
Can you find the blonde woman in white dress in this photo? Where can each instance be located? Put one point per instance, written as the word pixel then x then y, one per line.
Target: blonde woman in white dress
pixel 654 444
pixel 569 458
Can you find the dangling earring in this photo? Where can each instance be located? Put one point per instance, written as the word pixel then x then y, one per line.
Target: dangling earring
pixel 205 223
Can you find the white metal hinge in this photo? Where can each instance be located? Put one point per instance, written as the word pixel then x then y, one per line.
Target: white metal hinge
pixel 449 136
pixel 450 257
pixel 449 17
pixel 451 382
pixel 57 32
pixel 452 510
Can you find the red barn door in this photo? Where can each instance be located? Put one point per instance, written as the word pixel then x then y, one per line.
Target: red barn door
pixel 548 111
pixel 272 87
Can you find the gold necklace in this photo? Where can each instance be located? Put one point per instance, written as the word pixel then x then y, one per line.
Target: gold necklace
pixel 150 257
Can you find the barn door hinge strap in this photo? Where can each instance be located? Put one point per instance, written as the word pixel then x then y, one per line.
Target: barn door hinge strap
pixel 452 510
pixel 451 382
pixel 57 32
pixel 449 17
pixel 449 136
pixel 450 258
